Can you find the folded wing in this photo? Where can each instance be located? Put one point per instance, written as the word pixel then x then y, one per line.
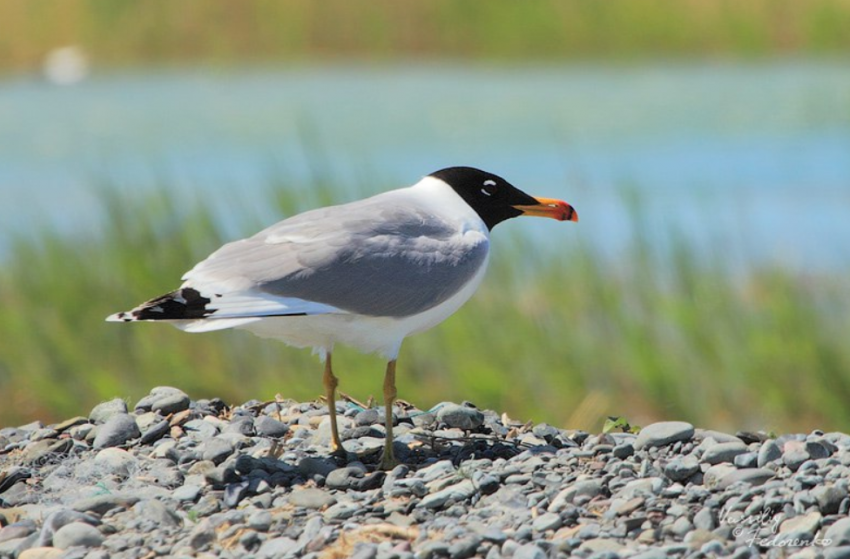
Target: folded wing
pixel 370 257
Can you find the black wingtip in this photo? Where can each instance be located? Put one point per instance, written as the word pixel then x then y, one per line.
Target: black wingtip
pixel 185 303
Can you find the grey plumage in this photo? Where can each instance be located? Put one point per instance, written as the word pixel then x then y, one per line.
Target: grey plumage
pixel 372 257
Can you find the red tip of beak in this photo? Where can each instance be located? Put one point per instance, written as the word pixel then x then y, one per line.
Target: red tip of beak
pixel 550 207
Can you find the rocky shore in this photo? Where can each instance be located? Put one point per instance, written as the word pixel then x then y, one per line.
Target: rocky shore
pixel 171 477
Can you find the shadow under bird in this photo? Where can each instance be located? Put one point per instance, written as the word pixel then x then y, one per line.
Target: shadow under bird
pixel 365 274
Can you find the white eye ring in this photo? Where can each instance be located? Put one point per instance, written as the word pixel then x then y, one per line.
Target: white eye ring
pixel 488 182
pixel 486 192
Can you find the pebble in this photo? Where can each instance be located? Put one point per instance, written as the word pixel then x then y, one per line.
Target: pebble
pixel 460 416
pixel 277 547
pixel 181 478
pixel 77 534
pixel 830 497
pixel 103 411
pixel 116 461
pixel 769 452
pixel 164 399
pixel 217 449
pixel 529 551
pixel 723 452
pixel 116 431
pixel 41 553
pixel 101 504
pixel 680 469
pixel 663 433
pixel 266 426
pixel 311 498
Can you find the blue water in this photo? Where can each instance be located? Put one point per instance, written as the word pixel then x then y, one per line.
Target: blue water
pixel 751 158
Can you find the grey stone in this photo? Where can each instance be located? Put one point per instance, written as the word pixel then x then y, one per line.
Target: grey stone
pixel 165 400
pixel 547 521
pixel 312 530
pixel 117 430
pixel 341 511
pixel 367 417
pixel 188 492
pixel 794 458
pixel 746 460
pixel 723 452
pixel 545 431
pixel 310 466
pixel 146 420
pixel 806 525
pixel 200 430
pixel 364 550
pixel 101 504
pixel 77 534
pixel 240 426
pixel 751 476
pixel 595 545
pixel 650 554
pixel 623 450
pixel 103 411
pixel 437 470
pixel 266 426
pixel 116 461
pixel 260 521
pixel 46 433
pixel 705 519
pixel 46 450
pixel 840 552
pixel 460 417
pixel 646 487
pixel 158 512
pixel 424 419
pixel 818 450
pixel 680 469
pixel 768 452
pixel 433 549
pixel 465 547
pixel 457 492
pixel 207 506
pixel 839 532
pixel 277 547
pixel 164 473
pixel 681 526
pixel 17 530
pixel 663 433
pixel 68 423
pixel 529 551
pixel 829 497
pixel 202 535
pixel 217 449
pixel 344 478
pixel 718 436
pixel 311 498
pixel 155 432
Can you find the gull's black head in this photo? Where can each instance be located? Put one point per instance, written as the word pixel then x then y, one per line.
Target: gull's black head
pixel 495 199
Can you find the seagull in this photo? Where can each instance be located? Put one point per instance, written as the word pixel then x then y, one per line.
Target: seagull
pixel 366 274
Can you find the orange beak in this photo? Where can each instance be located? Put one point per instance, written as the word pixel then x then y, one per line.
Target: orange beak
pixel 550 207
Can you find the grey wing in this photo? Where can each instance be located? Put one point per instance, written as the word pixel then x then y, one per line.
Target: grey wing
pixel 367 258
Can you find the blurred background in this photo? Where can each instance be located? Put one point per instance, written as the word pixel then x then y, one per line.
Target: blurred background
pixel 705 145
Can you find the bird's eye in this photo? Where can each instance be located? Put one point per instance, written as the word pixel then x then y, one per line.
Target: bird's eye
pixel 488 187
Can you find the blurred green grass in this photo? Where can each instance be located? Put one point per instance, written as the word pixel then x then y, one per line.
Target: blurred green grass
pixel 556 334
pixel 120 32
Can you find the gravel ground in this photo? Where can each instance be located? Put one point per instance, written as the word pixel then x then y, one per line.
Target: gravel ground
pixel 180 478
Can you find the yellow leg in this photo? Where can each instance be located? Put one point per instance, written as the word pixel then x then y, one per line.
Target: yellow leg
pixel 388 461
pixel 331 382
